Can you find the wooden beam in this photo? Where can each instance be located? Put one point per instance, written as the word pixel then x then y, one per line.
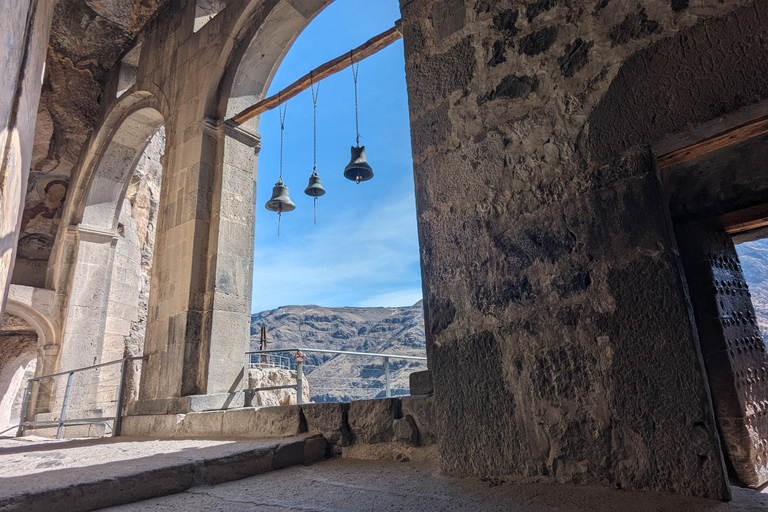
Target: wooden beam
pixel 364 51
pixel 719 141
pixel 742 221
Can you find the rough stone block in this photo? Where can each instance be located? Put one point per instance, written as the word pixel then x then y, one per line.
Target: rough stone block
pixel 421 383
pixel 148 407
pixel 239 423
pixel 214 402
pixel 289 453
pixel 167 425
pixel 422 409
pixel 330 420
pixel 278 421
pixel 371 421
pixel 137 426
pixel 315 449
pixel 406 431
pixel 237 466
pixel 198 424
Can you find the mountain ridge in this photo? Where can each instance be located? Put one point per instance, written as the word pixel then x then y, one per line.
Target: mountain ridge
pixel 395 330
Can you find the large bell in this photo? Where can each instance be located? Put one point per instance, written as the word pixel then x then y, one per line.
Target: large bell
pixel 358 169
pixel 315 188
pixel 280 201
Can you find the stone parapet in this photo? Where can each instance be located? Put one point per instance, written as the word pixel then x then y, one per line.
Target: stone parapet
pixel 390 428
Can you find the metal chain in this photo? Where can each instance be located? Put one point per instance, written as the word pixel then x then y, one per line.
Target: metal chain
pixel 315 93
pixel 355 71
pixel 282 109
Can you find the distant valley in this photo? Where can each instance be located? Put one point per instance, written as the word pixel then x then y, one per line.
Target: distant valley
pixel 341 377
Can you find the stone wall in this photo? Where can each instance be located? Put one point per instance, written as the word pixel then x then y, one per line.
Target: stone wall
pixel 24 25
pixel 553 283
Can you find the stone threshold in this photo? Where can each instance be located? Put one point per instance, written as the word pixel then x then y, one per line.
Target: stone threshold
pixel 104 484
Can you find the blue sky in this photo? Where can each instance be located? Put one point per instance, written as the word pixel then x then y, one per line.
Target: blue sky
pixel 364 250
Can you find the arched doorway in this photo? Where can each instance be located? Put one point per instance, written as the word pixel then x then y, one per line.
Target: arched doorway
pixel 18 360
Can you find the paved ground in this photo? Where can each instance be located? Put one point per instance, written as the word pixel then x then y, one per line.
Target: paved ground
pixel 73 475
pixel 361 486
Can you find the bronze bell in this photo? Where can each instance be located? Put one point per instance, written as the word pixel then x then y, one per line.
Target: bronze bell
pixel 358 169
pixel 280 201
pixel 315 188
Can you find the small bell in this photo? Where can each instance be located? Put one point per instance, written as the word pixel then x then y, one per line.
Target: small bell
pixel 358 169
pixel 315 188
pixel 280 201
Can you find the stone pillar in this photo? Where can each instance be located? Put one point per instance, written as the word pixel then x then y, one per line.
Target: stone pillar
pixel 199 307
pixel 560 336
pixel 25 25
pixel 83 334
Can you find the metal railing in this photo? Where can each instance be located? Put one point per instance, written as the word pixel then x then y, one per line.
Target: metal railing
pixel 62 421
pixel 265 358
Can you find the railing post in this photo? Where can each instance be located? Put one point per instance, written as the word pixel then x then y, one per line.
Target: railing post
pixel 118 424
pixel 299 381
pixel 386 376
pixel 63 414
pixel 24 405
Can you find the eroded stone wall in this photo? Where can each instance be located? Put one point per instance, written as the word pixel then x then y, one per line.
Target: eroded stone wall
pixel 552 280
pixel 132 269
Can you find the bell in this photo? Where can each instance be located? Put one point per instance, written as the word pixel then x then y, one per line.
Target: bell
pixel 315 188
pixel 280 201
pixel 358 169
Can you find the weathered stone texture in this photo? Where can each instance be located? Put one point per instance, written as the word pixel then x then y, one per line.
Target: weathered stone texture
pixel 551 275
pixel 706 71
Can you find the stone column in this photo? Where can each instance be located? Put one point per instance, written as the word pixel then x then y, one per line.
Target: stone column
pixel 25 25
pixel 560 336
pixel 83 334
pixel 199 307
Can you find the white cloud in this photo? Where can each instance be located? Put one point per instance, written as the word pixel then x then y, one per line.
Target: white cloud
pixel 348 260
pixel 407 297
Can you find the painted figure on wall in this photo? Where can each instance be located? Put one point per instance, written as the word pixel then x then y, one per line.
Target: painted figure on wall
pixel 40 220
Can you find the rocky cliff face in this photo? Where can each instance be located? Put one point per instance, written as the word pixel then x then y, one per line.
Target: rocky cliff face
pixel 339 377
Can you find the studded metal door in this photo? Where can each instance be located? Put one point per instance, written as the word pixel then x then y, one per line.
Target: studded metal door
pixel 732 344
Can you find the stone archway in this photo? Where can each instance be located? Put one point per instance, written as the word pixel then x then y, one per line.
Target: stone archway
pixel 198 331
pixel 18 360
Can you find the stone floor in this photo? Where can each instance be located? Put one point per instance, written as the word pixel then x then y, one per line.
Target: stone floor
pixel 72 475
pixel 360 486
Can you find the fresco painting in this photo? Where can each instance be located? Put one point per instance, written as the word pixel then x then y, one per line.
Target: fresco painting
pixel 42 214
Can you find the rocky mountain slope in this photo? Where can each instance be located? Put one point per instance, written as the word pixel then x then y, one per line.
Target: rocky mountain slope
pixel 754 261
pixel 335 377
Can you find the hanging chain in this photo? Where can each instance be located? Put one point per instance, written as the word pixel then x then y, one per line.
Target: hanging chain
pixel 283 109
pixel 355 71
pixel 315 93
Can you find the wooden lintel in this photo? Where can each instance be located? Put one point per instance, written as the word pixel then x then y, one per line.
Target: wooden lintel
pixel 364 51
pixel 719 141
pixel 744 220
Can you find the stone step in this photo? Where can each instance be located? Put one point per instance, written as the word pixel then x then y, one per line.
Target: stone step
pixel 79 476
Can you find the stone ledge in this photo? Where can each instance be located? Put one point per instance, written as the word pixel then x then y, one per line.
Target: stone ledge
pixel 129 483
pixel 244 423
pixel 187 404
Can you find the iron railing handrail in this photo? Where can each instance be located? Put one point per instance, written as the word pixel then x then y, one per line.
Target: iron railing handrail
pixel 135 358
pixel 62 421
pixel 343 352
pixel 300 366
